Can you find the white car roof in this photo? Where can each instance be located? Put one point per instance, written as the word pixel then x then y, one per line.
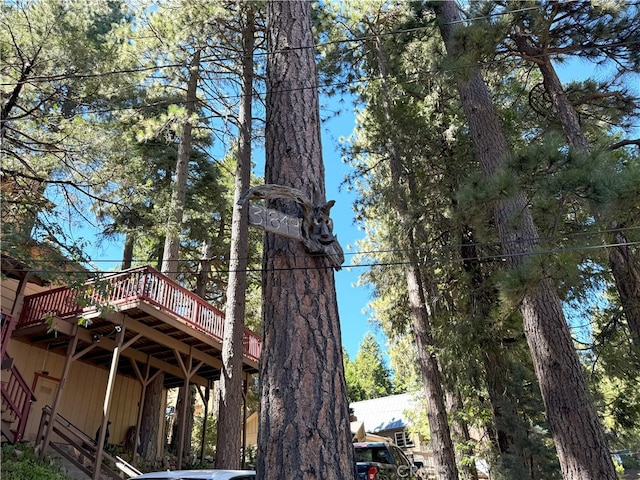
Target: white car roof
pixel 199 475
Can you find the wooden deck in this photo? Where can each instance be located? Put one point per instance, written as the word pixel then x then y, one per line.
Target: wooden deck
pixel 163 321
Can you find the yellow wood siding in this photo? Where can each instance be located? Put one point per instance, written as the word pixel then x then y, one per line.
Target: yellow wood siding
pixel 7 294
pixel 8 289
pixel 83 395
pixel 252 429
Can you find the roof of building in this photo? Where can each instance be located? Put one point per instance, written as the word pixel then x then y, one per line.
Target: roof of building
pixel 18 270
pixel 385 413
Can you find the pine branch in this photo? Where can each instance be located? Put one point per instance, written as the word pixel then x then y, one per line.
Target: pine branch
pixel 624 143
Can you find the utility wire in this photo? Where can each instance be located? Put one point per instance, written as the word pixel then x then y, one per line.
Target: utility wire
pixel 327 86
pixel 485 258
pixel 76 76
pixel 81 76
pixel 454 246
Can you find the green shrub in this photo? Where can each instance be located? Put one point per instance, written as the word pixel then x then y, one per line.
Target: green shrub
pixel 19 462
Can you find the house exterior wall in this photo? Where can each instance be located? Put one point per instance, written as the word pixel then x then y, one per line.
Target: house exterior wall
pixel 8 289
pixel 252 430
pixel 415 451
pixel 84 391
pixel 83 395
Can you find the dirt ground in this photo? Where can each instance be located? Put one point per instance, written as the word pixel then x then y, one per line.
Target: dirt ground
pixel 632 475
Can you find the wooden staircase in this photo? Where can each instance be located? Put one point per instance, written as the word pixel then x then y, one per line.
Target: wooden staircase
pixel 77 447
pixel 9 431
pixel 17 397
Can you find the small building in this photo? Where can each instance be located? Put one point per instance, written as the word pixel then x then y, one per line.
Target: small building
pixel 386 419
pixel 377 420
pixel 76 359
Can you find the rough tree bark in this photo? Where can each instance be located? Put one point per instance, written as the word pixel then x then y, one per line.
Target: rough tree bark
pixel 204 270
pixel 184 395
pixel 148 448
pixel 179 183
pixel 624 267
pixel 441 443
pixel 577 433
pixel 422 291
pixel 304 430
pixel 127 251
pixel 508 433
pixel 229 441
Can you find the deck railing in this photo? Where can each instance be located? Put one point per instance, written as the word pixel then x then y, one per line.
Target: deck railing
pixel 143 283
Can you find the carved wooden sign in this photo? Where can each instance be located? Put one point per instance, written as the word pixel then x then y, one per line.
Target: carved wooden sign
pixel 314 229
pixel 275 221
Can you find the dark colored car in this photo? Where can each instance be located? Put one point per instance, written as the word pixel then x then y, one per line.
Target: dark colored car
pixel 382 461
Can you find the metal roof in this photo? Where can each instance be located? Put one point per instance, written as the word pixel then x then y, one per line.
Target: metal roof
pixel 385 413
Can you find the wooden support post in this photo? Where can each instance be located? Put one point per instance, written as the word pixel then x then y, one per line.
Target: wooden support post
pixel 244 420
pixel 185 404
pixel 71 348
pixel 106 408
pixel 18 301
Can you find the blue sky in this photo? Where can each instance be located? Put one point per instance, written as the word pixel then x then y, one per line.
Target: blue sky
pixel 352 299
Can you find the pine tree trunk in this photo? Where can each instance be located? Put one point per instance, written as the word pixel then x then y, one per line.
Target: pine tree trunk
pixel 179 184
pixel 152 409
pixel 304 431
pixel 624 267
pixel 127 252
pixel 460 433
pixel 577 433
pixel 626 272
pixel 419 285
pixel 184 395
pixel 509 432
pixel 229 441
pixel 204 270
pixel 441 443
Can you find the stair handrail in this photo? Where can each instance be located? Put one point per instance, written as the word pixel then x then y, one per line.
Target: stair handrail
pixel 82 442
pixel 126 468
pixel 8 325
pixel 19 397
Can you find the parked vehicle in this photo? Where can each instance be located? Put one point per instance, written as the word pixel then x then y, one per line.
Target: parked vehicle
pixel 199 475
pixel 382 461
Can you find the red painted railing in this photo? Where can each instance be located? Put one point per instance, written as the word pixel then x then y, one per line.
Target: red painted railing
pixel 8 324
pixel 144 283
pixel 17 397
pixel 60 302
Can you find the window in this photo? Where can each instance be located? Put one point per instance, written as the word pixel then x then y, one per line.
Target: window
pixel 364 455
pixel 400 457
pixel 402 439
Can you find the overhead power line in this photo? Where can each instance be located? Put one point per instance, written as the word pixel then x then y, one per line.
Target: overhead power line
pixel 88 75
pixel 402 261
pixel 451 246
pixel 342 83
